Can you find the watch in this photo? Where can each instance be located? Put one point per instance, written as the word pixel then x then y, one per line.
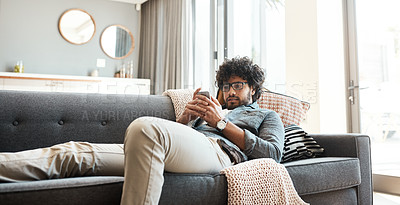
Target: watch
pixel 221 125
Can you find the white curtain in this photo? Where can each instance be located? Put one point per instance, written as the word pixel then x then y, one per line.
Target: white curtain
pixel 165 36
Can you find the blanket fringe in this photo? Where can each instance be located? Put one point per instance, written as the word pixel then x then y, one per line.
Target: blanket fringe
pixel 260 181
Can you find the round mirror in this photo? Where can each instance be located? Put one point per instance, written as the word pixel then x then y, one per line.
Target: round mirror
pixel 77 26
pixel 117 41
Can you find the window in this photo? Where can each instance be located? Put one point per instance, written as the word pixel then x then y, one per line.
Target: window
pixel 230 28
pixel 257 29
pixel 376 112
pixel 379 76
pixel 202 75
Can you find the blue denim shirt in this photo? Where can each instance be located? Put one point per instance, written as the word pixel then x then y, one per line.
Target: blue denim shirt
pixel 264 132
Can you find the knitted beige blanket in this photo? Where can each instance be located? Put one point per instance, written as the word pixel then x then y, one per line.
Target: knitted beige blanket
pixel 179 98
pixel 260 181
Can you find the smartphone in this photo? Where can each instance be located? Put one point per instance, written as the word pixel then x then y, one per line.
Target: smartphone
pixel 205 93
pixel 200 121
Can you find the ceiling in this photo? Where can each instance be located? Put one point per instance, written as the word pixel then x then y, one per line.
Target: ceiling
pixel 131 1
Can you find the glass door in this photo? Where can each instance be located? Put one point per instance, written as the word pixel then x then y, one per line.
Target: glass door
pixel 377 82
pixel 228 28
pixel 256 29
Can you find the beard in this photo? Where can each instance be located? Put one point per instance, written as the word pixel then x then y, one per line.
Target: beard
pixel 233 102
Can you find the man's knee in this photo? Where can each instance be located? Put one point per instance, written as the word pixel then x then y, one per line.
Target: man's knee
pixel 140 124
pixel 143 127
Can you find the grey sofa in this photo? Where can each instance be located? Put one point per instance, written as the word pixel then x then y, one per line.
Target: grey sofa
pixel 342 175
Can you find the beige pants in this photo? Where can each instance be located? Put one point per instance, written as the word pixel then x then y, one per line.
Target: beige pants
pixel 152 145
pixel 63 160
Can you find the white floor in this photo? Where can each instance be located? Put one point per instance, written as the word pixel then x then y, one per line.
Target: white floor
pixel 386 199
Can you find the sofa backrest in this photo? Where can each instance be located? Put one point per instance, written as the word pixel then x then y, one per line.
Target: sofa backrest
pixel 39 119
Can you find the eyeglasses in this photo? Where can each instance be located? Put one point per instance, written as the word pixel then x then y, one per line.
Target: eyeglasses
pixel 236 86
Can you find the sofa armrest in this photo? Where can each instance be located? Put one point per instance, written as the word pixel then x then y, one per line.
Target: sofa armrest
pixel 351 145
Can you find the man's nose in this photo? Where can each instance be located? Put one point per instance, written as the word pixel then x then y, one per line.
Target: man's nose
pixel 232 92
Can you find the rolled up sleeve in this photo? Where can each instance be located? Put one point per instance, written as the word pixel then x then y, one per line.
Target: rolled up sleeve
pixel 270 140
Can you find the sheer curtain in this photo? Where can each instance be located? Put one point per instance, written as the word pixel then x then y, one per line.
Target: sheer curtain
pixel 165 38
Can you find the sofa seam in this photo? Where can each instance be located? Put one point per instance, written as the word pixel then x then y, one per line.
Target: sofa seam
pixel 324 162
pixel 329 189
pixel 77 185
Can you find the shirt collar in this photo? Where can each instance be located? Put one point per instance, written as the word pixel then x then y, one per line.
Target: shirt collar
pixel 254 105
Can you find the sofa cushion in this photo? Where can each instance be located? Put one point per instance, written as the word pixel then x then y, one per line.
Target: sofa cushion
pixel 58 183
pixel 310 176
pixel 343 196
pixel 194 189
pixel 178 188
pixel 317 175
pixel 79 190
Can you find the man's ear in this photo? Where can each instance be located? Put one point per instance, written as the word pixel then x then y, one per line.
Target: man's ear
pixel 253 91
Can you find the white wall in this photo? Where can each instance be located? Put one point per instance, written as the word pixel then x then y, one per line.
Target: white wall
pixel 332 88
pixel 314 62
pixel 302 71
pixel 29 32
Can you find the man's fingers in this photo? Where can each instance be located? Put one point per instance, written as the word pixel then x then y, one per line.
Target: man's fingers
pixel 194 113
pixel 215 101
pixel 202 97
pixel 197 101
pixel 195 92
pixel 196 107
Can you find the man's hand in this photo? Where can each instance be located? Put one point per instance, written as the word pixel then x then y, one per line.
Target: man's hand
pixel 213 114
pixel 193 109
pixel 213 110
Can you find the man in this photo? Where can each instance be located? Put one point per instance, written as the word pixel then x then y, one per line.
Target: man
pixel 153 145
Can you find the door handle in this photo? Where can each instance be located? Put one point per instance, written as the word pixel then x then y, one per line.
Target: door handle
pixel 351 93
pixel 352 87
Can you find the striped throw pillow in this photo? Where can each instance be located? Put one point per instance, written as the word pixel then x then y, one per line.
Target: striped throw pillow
pixel 299 145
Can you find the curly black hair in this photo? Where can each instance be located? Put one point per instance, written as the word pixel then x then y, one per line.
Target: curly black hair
pixel 244 68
